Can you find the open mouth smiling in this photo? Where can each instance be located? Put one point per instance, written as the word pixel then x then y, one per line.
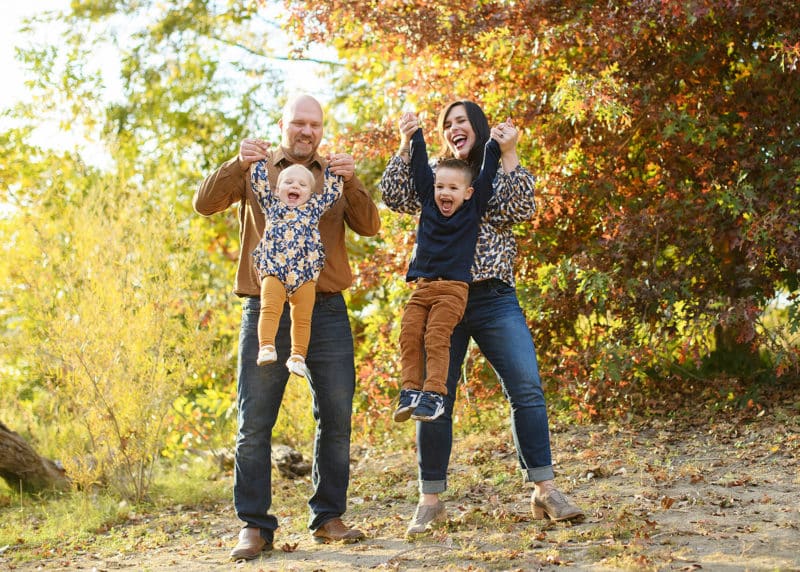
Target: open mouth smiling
pixel 459 141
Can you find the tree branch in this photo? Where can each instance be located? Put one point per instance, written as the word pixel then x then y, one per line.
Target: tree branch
pixel 262 54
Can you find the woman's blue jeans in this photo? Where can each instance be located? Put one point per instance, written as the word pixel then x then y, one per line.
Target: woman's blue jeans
pixel 260 391
pixel 495 321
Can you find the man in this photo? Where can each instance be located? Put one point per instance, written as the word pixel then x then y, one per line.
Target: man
pixel 330 357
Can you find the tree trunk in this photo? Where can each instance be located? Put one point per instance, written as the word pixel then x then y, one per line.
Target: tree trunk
pixel 23 469
pixel 732 355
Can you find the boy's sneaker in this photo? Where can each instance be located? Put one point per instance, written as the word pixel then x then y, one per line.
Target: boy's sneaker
pixel 266 354
pixel 430 407
pixel 407 403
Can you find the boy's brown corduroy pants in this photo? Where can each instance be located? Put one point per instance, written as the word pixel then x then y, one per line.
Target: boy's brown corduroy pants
pixel 434 309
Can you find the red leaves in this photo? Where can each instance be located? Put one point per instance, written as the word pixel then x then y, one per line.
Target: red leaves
pixel 653 127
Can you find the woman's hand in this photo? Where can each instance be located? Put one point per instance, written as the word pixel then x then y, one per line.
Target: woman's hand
pixel 507 137
pixel 408 124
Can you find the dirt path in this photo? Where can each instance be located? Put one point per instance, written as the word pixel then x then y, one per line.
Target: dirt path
pixel 659 496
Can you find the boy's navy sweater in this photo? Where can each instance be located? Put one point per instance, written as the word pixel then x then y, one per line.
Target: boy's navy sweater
pixel 446 245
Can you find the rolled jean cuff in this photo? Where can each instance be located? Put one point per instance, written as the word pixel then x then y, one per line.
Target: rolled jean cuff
pixel 539 474
pixel 432 487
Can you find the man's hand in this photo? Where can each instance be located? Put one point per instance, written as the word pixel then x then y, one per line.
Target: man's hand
pixel 252 150
pixel 342 164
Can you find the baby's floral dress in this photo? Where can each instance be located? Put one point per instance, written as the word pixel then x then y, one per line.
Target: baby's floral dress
pixel 291 248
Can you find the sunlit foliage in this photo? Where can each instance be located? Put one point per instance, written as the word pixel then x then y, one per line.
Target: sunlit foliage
pixel 665 137
pixel 665 251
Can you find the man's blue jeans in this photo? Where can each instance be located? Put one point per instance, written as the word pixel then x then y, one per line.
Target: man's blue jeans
pixel 260 390
pixel 496 322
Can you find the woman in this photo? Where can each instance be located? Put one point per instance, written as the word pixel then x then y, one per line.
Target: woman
pixel 493 317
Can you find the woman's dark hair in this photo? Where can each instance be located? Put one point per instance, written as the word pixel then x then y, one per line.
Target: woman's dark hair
pixel 480 125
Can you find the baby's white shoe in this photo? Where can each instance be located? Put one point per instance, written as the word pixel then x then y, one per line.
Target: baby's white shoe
pixel 297 365
pixel 266 354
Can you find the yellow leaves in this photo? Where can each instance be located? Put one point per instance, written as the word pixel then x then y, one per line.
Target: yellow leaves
pixel 589 98
pixel 496 44
pixel 741 70
pixel 106 320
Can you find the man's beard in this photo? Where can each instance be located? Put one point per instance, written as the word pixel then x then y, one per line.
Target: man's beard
pixel 301 151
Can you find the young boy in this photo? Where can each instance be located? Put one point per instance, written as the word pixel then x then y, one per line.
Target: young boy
pixel 452 208
pixel 290 255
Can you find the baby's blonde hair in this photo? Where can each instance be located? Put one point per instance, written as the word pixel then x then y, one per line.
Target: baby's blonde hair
pixel 302 168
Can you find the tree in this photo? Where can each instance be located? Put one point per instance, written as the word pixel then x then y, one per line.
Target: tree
pixel 665 136
pixel 23 469
pixel 114 294
pixel 99 307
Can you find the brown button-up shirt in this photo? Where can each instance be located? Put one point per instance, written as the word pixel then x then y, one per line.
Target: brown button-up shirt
pixel 231 184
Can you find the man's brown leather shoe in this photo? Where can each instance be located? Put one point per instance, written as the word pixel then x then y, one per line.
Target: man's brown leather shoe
pixel 251 544
pixel 336 531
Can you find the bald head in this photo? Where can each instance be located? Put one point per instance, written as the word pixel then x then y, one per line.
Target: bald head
pixel 301 128
pixel 304 101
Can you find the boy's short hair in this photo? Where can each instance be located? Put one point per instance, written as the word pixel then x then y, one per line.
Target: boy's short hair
pixel 456 165
pixel 301 167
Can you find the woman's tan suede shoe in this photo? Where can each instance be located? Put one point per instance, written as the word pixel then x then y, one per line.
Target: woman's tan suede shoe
pixel 555 506
pixel 425 516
